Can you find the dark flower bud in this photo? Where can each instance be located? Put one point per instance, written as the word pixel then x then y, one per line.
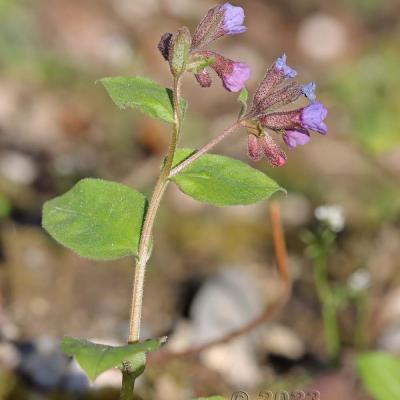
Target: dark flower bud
pixel 179 51
pixel 164 45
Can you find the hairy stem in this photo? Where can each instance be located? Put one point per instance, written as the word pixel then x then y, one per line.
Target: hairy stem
pixel 204 149
pixel 128 379
pixel 128 383
pixel 145 240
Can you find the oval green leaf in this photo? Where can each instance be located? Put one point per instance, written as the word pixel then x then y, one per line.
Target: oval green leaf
pixel 97 219
pixel 144 94
pixel 97 358
pixel 380 374
pixel 222 181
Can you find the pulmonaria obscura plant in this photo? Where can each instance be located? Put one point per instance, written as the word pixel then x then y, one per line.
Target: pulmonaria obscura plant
pixel 103 220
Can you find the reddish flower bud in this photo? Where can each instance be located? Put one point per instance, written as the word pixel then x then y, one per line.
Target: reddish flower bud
pixel 254 147
pixel 275 155
pixel 204 79
pixel 279 121
pixel 275 75
pixel 279 98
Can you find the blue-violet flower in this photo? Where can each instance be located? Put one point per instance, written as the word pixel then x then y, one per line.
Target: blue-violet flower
pixel 220 20
pixel 293 125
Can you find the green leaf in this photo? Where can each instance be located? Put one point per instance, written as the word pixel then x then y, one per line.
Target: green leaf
pixel 222 181
pixel 380 374
pixel 97 219
pixel 97 358
pixel 143 93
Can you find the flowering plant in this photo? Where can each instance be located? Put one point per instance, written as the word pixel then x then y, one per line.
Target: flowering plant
pixel 104 220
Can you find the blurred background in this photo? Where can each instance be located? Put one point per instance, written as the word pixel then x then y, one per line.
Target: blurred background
pixel 213 269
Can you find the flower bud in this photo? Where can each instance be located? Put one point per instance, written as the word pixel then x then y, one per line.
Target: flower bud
pixel 179 51
pixel 164 45
pixel 274 154
pixel 254 147
pixel 204 79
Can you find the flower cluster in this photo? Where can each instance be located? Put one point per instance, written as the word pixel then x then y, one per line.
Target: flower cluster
pixel 187 53
pixel 294 125
pixel 221 20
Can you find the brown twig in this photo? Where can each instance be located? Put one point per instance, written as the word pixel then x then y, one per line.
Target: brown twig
pixel 269 311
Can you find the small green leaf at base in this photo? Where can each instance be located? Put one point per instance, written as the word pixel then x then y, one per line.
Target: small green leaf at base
pixel 95 358
pixel 380 374
pixel 222 181
pixel 143 93
pixel 97 219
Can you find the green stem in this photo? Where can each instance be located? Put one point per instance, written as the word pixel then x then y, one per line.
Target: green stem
pixel 128 383
pixel 128 379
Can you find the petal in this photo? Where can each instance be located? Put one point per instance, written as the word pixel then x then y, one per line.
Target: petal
pixel 294 138
pixel 312 117
pixel 281 66
pixel 233 19
pixel 235 80
pixel 309 91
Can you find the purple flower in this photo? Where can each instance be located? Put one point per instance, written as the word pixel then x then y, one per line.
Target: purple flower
pixel 220 20
pixel 233 19
pixel 294 138
pixel 309 91
pixel 233 74
pixel 280 65
pixel 312 117
pixel 235 80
